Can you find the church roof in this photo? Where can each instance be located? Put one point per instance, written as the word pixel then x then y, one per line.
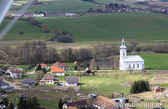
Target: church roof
pixel 132 58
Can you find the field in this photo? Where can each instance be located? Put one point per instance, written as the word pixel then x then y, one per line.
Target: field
pixel 59 5
pixel 156 61
pixel 144 26
pixel 30 32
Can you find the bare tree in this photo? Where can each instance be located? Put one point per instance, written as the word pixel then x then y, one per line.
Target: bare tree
pixel 93 64
pixel 133 44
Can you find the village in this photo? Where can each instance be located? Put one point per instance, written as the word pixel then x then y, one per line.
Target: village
pixel 61 86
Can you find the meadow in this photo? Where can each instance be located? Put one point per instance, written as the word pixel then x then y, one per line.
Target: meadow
pixel 156 61
pixel 109 27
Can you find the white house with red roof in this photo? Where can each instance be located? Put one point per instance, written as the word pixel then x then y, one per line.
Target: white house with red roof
pixel 15 73
pixel 47 80
pixel 61 65
pixel 44 66
pixel 56 71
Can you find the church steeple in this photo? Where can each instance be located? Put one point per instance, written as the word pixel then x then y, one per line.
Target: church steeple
pixel 123 49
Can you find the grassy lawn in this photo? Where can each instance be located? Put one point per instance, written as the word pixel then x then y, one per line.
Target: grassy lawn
pixel 156 61
pixel 44 104
pixel 32 76
pixel 102 85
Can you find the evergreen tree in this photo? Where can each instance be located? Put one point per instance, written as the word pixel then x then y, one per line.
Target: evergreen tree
pixel 5 101
pixel 20 104
pixel 11 105
pixel 70 55
pixel 60 105
pixel 38 67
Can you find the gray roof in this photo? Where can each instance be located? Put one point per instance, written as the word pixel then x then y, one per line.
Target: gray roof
pixel 156 87
pixel 132 58
pixel 3 83
pixel 71 79
pixel 28 81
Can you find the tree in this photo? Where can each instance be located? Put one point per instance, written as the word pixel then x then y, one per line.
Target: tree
pixel 21 103
pixel 60 104
pixel 133 44
pixel 5 101
pixel 70 56
pixel 139 86
pixel 54 34
pixel 45 28
pixel 11 106
pixel 38 67
pixel 93 64
pixel 39 75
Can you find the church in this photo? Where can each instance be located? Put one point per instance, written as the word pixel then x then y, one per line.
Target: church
pixel 129 62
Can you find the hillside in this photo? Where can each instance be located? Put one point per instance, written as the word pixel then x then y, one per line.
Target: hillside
pixel 144 26
pixel 30 32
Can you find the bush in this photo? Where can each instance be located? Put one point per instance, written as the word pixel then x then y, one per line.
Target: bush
pixel 65 38
pixel 139 86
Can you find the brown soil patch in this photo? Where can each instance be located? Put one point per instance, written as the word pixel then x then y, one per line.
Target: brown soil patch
pixel 158 80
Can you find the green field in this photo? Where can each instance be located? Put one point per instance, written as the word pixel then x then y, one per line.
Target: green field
pixel 59 6
pixel 144 26
pixel 156 61
pixel 30 32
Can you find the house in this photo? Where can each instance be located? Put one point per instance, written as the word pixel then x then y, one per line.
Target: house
pixel 47 80
pixel 56 71
pixel 101 102
pixel 70 14
pixel 72 80
pixel 88 72
pixel 129 62
pixel 9 89
pixel 61 65
pixel 158 89
pixel 75 63
pixel 44 66
pixel 77 104
pixel 92 95
pixel 3 85
pixel 28 82
pixel 15 73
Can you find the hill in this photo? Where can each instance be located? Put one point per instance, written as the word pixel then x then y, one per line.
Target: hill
pixel 30 32
pixel 144 26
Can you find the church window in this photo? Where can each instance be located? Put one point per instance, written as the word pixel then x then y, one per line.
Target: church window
pixel 129 66
pixel 123 54
pixel 137 65
pixel 133 65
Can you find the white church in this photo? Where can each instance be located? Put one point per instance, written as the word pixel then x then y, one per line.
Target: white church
pixel 129 62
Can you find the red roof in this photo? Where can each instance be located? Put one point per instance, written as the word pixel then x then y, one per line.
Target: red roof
pixel 16 71
pixel 48 77
pixel 42 64
pixel 60 64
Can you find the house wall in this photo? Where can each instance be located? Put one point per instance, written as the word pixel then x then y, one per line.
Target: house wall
pixel 47 82
pixel 71 84
pixel 139 65
pixel 65 106
pixel 15 75
pixel 58 74
pixel 98 107
pixel 4 86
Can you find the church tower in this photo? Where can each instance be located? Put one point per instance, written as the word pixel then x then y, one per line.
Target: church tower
pixel 123 49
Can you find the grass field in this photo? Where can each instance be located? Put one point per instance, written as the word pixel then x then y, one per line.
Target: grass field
pixel 30 32
pixel 59 6
pixel 144 26
pixel 156 61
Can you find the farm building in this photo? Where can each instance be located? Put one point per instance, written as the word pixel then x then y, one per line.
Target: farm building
pixel 129 62
pixel 72 80
pixel 28 82
pixel 158 89
pixel 78 104
pixel 44 66
pixel 56 71
pixel 101 102
pixel 88 72
pixel 61 65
